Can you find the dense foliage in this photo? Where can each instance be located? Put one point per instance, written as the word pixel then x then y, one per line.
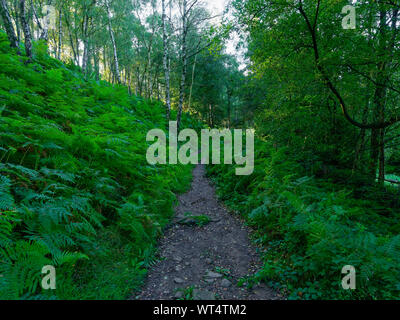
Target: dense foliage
pixel 324 89
pixel 324 103
pixel 311 228
pixel 76 191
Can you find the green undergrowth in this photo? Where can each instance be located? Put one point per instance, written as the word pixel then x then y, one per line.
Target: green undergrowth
pixel 76 191
pixel 312 227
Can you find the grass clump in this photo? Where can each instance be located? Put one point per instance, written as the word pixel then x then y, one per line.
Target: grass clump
pixel 197 220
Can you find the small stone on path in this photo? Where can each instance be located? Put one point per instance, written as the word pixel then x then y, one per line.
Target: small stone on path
pixel 214 275
pixel 178 281
pixel 226 283
pixel 178 268
pixel 203 295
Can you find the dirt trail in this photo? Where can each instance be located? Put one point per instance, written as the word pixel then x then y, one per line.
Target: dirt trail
pixel 209 259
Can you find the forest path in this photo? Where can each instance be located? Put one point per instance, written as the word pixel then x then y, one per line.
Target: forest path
pixel 204 262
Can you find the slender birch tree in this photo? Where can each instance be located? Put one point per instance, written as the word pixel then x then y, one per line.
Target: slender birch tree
pixel 165 61
pixel 26 30
pixel 114 45
pixel 5 14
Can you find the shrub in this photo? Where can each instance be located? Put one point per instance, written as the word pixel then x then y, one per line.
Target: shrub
pixel 311 228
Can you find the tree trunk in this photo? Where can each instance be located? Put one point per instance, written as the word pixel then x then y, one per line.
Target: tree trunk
pixel 85 43
pixel 374 156
pixel 129 82
pixel 16 20
pixel 60 32
pixel 381 176
pixel 184 64
pixel 105 59
pixel 5 14
pixel 165 63
pixel 71 40
pixel 230 93
pixel 96 62
pixel 26 30
pixel 116 63
pixel 78 54
pixel 39 25
pixel 137 88
pixel 361 140
pixel 378 135
pixel 45 30
pixel 210 116
pixel 191 85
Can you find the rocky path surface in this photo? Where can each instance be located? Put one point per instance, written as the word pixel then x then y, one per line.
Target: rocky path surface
pixel 204 262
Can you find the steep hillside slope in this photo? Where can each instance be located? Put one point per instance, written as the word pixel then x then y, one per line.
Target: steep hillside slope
pixel 76 191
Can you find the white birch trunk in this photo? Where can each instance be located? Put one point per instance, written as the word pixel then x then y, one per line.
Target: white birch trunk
pixel 165 63
pixel 184 64
pixel 60 33
pixel 26 30
pixel 116 63
pixel 5 14
pixel 191 86
pixel 85 57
